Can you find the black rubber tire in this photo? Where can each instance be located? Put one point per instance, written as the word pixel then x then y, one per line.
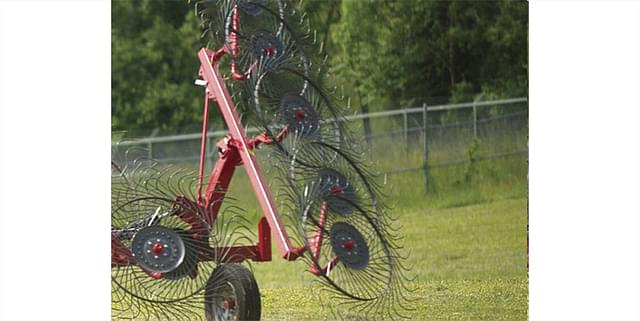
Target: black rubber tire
pixel 246 288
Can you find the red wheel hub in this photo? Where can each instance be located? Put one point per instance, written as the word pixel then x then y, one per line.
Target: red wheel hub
pixel 229 304
pixel 335 189
pixel 348 245
pixel 269 51
pixel 300 115
pixel 157 248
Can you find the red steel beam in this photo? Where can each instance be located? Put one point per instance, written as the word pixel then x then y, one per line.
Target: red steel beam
pixel 217 87
pixel 220 179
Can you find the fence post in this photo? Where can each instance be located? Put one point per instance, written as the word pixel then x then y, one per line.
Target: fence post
pixel 475 116
pixel 406 136
pixel 425 150
pixel 366 121
pixel 150 144
pixel 475 120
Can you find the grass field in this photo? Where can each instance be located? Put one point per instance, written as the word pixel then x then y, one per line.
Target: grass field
pixel 466 238
pixel 469 262
pixel 467 245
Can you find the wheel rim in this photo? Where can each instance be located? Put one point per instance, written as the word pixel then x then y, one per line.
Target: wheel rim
pixel 226 304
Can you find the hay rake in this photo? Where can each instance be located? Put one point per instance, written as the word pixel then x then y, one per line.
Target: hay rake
pixel 178 239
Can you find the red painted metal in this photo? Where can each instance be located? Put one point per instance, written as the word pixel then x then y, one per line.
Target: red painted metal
pixel 191 213
pixel 297 252
pixel 269 51
pixel 203 144
pixel 317 271
pixel 316 245
pixel 234 150
pixel 300 115
pixel 219 53
pixel 229 304
pixel 157 248
pixel 265 139
pixel 230 254
pixel 264 240
pixel 348 245
pixel 216 85
pixel 120 254
pixel 228 159
pixel 155 275
pixel 317 239
pixel 233 40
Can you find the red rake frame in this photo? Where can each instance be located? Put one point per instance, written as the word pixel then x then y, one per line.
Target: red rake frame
pixel 234 150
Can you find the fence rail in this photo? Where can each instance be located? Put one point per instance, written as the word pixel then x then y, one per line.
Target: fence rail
pixel 442 143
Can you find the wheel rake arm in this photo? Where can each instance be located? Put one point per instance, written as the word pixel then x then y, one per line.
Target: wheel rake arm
pixel 318 142
pixel 144 198
pixel 173 235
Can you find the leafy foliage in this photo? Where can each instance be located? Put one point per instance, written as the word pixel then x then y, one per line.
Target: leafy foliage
pixel 154 45
pixel 402 51
pixel 470 166
pixel 384 54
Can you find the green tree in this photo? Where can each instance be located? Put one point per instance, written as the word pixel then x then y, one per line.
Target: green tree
pixel 154 45
pixel 399 51
pixel 384 54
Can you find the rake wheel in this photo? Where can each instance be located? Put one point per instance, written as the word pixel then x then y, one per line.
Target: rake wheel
pixel 162 258
pixel 158 249
pixel 326 189
pixel 337 191
pixel 277 97
pixel 142 284
pixel 148 227
pixel 260 33
pixel 352 249
pixel 349 246
pixel 329 196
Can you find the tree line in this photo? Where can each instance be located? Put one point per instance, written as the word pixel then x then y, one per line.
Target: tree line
pixel 383 54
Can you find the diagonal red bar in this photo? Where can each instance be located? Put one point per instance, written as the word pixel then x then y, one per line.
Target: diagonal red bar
pixel 216 86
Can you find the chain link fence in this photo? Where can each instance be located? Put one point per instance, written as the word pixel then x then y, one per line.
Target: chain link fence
pixel 402 140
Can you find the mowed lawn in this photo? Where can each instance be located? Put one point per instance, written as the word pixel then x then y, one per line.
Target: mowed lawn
pixel 466 244
pixel 469 263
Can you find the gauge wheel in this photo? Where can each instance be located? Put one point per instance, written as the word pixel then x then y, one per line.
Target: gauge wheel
pixel 232 294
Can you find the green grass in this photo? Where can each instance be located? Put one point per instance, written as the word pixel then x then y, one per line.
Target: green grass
pixel 469 263
pixel 467 244
pixel 437 300
pixel 497 179
pixel 466 239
